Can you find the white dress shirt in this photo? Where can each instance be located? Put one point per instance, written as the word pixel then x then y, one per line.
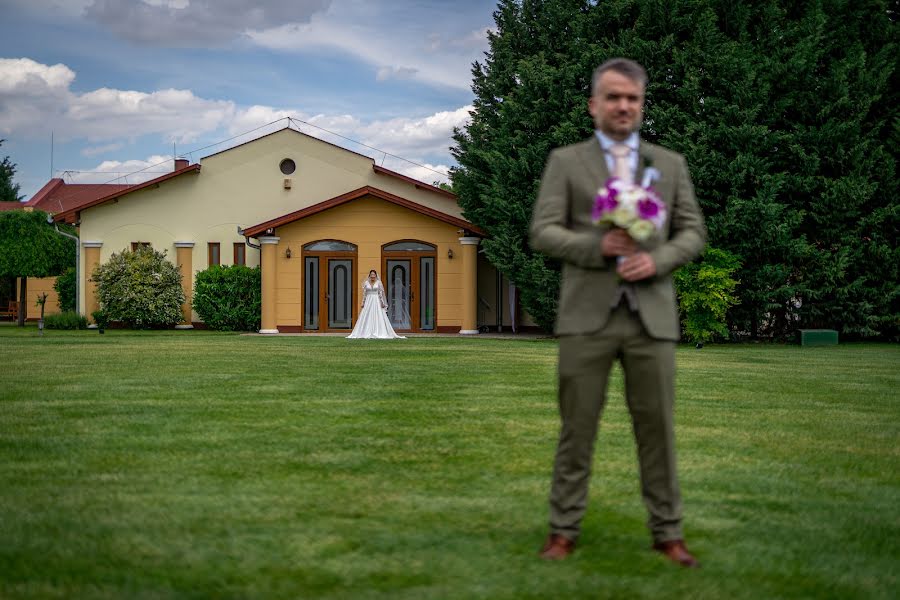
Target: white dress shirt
pixel 631 141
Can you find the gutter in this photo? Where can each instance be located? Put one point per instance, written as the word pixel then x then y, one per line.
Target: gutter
pixel 77 261
pixel 247 239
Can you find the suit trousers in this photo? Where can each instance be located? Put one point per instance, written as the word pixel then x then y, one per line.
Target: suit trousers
pixel 649 367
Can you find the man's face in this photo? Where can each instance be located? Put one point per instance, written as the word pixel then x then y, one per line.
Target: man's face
pixel 617 105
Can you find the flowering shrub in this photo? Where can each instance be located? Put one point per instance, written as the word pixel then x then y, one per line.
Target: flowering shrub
pixel 66 290
pixel 229 298
pixel 140 288
pixel 705 291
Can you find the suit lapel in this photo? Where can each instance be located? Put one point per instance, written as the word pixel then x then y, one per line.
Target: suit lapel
pixel 594 161
pixel 644 158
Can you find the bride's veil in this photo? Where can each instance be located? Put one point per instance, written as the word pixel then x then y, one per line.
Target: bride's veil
pixel 398 304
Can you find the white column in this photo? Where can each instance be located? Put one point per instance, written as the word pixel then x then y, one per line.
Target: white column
pixel 268 248
pixel 469 285
pixel 91 260
pixel 184 254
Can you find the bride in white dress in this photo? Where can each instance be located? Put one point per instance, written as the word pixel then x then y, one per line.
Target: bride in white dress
pixel 373 322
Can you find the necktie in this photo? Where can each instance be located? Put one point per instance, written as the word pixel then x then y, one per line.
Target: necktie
pixel 621 169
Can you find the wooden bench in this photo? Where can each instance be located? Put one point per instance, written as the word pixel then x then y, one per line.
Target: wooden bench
pixel 12 310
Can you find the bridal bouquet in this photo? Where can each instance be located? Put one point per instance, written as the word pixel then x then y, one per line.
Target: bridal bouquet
pixel 635 208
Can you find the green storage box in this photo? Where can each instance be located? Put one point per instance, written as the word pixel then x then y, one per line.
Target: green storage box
pixel 818 337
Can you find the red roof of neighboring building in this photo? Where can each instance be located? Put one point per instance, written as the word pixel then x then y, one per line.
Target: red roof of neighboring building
pixel 58 196
pixel 11 205
pixel 70 215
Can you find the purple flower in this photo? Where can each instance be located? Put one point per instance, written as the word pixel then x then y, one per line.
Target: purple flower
pixel 648 208
pixel 604 203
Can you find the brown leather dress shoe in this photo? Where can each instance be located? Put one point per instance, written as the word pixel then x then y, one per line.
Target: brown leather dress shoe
pixel 557 547
pixel 676 551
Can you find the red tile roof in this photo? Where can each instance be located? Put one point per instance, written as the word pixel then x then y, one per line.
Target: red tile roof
pixel 256 230
pixel 70 215
pixel 11 205
pixel 420 185
pixel 57 196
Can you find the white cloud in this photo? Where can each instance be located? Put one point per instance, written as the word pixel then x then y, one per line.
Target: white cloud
pixel 426 173
pixel 36 99
pixel 396 72
pixel 249 119
pixel 129 171
pixel 474 40
pixel 28 75
pixel 95 150
pixel 52 8
pixel 190 23
pixel 168 3
pixel 31 93
pixel 415 137
pixel 409 52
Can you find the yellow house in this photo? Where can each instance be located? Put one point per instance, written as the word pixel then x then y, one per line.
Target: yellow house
pixel 56 196
pixel 316 217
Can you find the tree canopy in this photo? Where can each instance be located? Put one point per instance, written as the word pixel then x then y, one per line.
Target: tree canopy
pixel 788 114
pixel 9 190
pixel 30 247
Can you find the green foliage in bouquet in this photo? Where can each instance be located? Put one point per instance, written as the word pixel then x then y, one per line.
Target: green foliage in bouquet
pixel 141 288
pixel 229 298
pixel 705 291
pixel 66 290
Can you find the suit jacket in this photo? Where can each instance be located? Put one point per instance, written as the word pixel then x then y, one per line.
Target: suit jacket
pixel 561 227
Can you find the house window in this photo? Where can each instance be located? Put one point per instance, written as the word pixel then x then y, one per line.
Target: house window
pixel 240 254
pixel 330 246
pixel 136 245
pixel 287 166
pixel 213 256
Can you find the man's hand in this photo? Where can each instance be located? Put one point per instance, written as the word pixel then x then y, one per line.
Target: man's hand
pixel 617 242
pixel 636 267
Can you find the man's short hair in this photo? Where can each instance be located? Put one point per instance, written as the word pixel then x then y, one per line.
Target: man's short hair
pixel 625 66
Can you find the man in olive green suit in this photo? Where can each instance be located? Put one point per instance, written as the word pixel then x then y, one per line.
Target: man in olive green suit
pixel 617 301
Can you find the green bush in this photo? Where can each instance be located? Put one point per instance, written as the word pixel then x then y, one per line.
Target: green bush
pixel 65 320
pixel 229 298
pixel 705 291
pixel 101 319
pixel 140 288
pixel 66 290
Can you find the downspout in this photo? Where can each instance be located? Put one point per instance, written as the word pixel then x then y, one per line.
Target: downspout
pixel 77 261
pixel 247 239
pixel 499 301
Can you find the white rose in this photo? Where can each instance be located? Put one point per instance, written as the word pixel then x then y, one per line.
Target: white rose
pixel 623 217
pixel 641 230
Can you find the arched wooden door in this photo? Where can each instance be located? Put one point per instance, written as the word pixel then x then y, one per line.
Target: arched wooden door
pixel 329 286
pixel 409 270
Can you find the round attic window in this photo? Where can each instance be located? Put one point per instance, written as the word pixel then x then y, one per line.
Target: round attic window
pixel 287 166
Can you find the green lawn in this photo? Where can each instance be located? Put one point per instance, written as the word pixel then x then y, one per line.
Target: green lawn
pixel 204 465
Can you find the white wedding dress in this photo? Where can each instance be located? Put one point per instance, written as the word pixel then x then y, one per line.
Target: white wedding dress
pixel 373 322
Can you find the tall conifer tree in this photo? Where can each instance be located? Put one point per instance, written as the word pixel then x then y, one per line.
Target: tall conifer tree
pixel 786 112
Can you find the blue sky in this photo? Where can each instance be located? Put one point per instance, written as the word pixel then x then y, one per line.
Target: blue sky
pixel 117 82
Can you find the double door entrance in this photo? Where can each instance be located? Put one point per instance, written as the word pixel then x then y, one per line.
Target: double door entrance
pixel 331 286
